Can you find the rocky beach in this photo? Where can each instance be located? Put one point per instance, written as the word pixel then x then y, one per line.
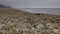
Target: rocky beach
pixel 14 21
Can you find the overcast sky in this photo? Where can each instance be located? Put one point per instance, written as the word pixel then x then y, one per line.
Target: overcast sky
pixel 30 3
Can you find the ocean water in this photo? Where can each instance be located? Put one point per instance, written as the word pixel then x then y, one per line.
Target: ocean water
pixel 55 11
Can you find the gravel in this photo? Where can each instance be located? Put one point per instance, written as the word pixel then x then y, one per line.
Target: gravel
pixel 28 23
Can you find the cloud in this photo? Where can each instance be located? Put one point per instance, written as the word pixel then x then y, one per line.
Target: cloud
pixel 30 3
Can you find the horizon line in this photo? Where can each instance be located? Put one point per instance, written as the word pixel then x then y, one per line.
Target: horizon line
pixel 38 7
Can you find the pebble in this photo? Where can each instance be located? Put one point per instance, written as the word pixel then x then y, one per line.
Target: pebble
pixel 40 26
pixel 55 30
pixel 2 25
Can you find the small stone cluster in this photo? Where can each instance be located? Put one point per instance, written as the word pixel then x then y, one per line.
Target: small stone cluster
pixel 30 24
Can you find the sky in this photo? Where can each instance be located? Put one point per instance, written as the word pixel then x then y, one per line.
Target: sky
pixel 31 3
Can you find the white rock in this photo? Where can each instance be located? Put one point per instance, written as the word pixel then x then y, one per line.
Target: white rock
pixel 50 27
pixel 35 32
pixel 11 24
pixel 15 19
pixel 39 33
pixel 24 32
pixel 9 21
pixel 40 26
pixel 17 29
pixel 2 25
pixel 48 24
pixel 24 29
pixel 33 28
pixel 56 31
